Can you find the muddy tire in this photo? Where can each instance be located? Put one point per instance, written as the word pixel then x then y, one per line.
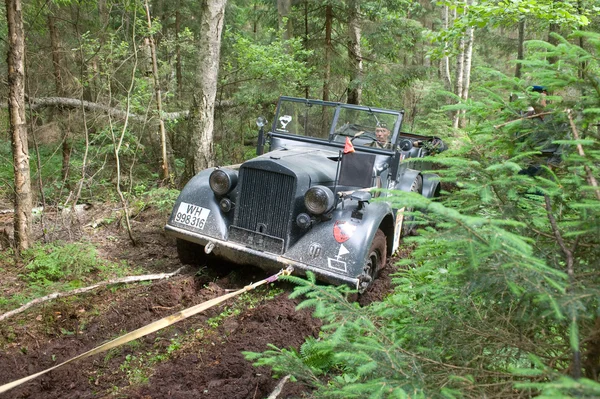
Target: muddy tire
pixel 409 227
pixel 375 261
pixel 191 253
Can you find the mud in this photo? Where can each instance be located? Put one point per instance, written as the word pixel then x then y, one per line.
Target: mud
pixel 200 357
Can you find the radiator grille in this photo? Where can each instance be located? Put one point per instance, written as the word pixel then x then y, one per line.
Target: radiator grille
pixel 265 202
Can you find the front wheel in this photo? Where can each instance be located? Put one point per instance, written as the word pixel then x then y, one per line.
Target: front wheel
pixel 375 261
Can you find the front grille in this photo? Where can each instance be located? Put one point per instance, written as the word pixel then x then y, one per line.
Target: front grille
pixel 265 202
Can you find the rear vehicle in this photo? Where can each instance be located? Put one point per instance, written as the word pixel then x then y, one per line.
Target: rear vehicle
pixel 307 201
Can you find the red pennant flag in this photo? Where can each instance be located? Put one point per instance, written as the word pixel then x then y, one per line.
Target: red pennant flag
pixel 348 148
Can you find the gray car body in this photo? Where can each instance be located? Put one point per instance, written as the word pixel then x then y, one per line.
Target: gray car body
pixel 302 162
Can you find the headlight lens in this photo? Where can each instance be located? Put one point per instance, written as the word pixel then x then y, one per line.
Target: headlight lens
pixel 318 200
pixel 222 181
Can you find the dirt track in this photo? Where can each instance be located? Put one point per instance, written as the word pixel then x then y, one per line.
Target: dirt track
pixel 198 357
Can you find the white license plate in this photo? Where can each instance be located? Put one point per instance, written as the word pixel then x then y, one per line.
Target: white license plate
pixel 191 215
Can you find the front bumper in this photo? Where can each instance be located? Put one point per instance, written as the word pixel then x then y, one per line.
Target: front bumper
pixel 241 254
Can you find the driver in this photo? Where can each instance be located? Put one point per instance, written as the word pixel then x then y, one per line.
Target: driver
pixel 382 133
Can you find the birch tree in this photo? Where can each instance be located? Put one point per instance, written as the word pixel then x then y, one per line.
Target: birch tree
pixel 203 103
pixel 18 128
pixel 445 64
pixel 463 68
pixel 467 60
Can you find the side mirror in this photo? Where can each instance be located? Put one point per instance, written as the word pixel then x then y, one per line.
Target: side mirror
pixel 260 146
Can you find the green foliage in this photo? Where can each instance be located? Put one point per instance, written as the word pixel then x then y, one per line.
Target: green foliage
pixel 162 198
pixel 6 170
pixel 50 263
pixel 501 291
pixel 268 68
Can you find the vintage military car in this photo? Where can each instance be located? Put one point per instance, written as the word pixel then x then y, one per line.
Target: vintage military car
pixel 308 200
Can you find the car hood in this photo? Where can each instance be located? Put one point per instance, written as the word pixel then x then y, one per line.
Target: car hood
pixel 319 165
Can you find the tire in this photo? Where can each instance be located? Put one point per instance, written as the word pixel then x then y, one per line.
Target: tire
pixel 409 227
pixel 375 261
pixel 190 253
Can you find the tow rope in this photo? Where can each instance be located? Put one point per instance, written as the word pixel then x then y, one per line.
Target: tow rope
pixel 153 327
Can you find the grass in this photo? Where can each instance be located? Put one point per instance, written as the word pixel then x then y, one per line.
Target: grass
pixel 56 267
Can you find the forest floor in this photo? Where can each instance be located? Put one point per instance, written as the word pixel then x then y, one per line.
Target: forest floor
pixel 200 357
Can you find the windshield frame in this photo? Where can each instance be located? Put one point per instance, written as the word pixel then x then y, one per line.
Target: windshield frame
pixel 337 108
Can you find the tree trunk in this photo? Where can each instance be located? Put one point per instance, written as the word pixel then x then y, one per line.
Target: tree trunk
pixel 520 48
pixel 553 28
pixel 60 92
pixel 305 40
pixel 354 53
pixel 467 68
pixel 178 72
pixel 328 51
pixel 18 128
pixel 445 64
pixel 459 74
pixel 284 7
pixel 203 106
pixel 158 96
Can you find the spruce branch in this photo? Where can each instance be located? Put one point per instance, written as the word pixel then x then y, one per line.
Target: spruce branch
pixel 559 239
pixel 590 177
pixel 523 118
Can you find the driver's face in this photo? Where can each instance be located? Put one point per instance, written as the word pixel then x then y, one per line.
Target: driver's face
pixel 382 134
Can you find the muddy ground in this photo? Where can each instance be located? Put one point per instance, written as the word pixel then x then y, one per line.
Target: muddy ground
pixel 196 358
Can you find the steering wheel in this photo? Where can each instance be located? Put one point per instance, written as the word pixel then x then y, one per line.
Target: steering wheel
pixel 366 135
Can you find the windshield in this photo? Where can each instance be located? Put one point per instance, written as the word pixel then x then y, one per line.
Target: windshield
pixel 335 122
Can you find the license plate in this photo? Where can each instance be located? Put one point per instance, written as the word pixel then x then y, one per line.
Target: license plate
pixel 191 215
pixel 256 240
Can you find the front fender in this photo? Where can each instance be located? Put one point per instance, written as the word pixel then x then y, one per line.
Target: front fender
pixel 341 244
pixel 197 192
pixel 406 179
pixel 431 185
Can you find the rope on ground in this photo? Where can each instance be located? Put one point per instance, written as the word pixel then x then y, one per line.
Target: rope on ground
pixel 152 327
pixel 122 280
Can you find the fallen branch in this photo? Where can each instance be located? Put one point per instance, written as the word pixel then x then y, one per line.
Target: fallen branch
pixel 279 387
pixel 523 118
pixel 122 280
pixel 75 103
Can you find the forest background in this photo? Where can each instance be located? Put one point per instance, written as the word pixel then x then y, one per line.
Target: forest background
pixel 500 298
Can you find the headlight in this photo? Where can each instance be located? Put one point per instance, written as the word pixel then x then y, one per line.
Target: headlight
pixel 318 200
pixel 222 181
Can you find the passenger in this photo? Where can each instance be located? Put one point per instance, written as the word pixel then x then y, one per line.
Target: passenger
pixel 543 130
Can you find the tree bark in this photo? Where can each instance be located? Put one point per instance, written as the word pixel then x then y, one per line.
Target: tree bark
pixel 18 128
pixel 158 96
pixel 58 84
pixel 553 28
pixel 467 68
pixel 203 103
pixel 178 71
pixel 520 48
pixel 305 42
pixel 459 74
pixel 445 65
pixel 284 7
pixel 328 51
pixel 354 53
